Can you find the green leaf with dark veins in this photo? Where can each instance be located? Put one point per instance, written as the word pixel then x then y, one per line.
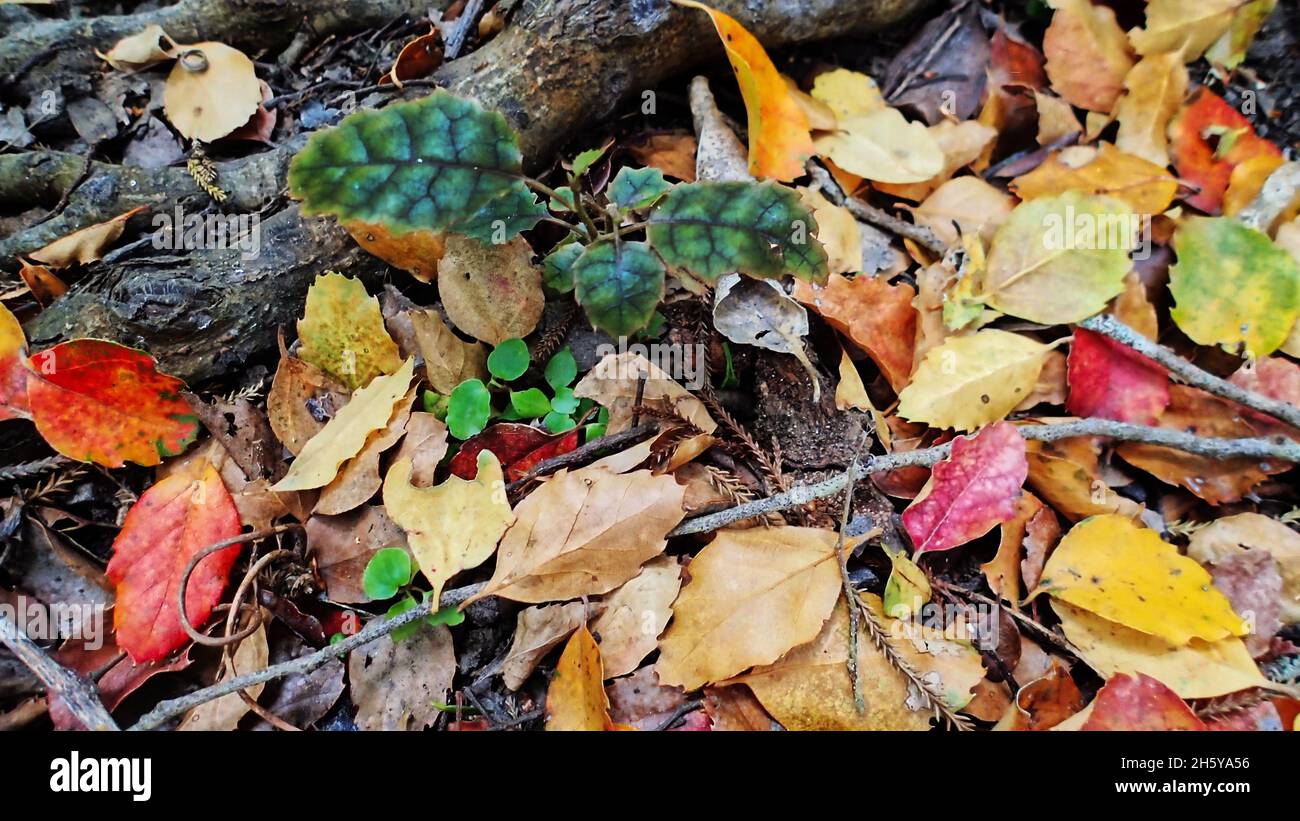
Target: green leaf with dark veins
pixel 636 188
pixel 619 285
pixel 441 163
pixel 557 268
pixel 468 409
pixel 760 229
pixel 530 404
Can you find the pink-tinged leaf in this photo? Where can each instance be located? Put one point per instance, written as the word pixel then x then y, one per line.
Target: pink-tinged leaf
pixel 13 368
pixel 98 401
pixel 1142 703
pixel 1252 583
pixel 1260 718
pixel 1274 377
pixel 173 520
pixel 1110 381
pixel 970 492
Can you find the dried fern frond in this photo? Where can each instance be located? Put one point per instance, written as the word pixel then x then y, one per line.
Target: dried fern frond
pixel 1222 706
pixel 205 175
pixel 35 467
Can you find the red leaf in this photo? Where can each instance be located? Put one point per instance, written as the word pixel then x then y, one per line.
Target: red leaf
pixel 512 444
pixel 1141 703
pixel 1260 718
pixel 560 444
pixel 173 520
pixel 1273 376
pixel 13 368
pixel 1110 381
pixel 102 402
pixel 971 491
pixel 121 680
pixel 1198 136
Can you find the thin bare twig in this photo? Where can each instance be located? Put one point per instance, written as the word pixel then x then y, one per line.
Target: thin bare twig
pixel 79 695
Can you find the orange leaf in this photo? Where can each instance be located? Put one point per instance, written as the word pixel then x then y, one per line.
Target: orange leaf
pixel 86 245
pixel 1208 139
pixel 13 368
pixel 172 521
pixel 779 142
pixel 576 699
pixel 1141 703
pixel 418 58
pixel 877 316
pixel 98 401
pixel 41 281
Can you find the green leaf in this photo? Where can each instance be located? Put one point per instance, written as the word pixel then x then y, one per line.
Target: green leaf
pixel 508 360
pixel 729 378
pixel 436 404
pixel 561 369
pixel 1232 286
pixel 441 163
pixel 586 159
pixel 557 422
pixel 760 229
pixel 403 605
pixel 530 404
pixel 557 268
pixel 450 616
pixel 386 572
pixel 619 285
pixel 468 409
pixel 636 188
pixel 564 401
pixel 562 202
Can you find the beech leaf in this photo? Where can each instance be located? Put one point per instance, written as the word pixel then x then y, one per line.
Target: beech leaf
pixel 970 381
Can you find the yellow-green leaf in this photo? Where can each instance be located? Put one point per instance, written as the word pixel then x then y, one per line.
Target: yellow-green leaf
pixel 343 333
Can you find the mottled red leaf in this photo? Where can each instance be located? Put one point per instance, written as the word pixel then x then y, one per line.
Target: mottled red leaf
pixel 101 402
pixel 1112 381
pixel 172 521
pixel 1142 703
pixel 1208 139
pixel 1273 376
pixel 556 446
pixel 514 445
pixel 1260 718
pixel 971 491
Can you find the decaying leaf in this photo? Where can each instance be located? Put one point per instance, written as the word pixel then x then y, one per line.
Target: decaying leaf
pixel 538 630
pixel 491 292
pixel 343 333
pixel 635 615
pixel 876 316
pixel 211 91
pixel 398 685
pixel 758 312
pixel 86 245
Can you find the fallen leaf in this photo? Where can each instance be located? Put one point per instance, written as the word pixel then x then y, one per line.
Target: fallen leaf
pixel 962 206
pixel 86 245
pixel 425 444
pixel 779 144
pixel 452 526
pixel 225 712
pixel 101 402
pixel 1207 139
pixel 635 615
pixel 1127 574
pixel 149 46
pixel 301 400
pixel 212 90
pixel 876 316
pixel 576 698
pixel 1251 532
pixel 1190 29
pixel 850 393
pixel 346 434
pixel 538 630
pixel 510 442
pixel 837 230
pixel 342 546
pixel 1140 703
pixel 398 685
pixel 1087 54
pixel 1045 702
pixel 343 333
pixel 1002 572
pixel 42 282
pixel 1051 386
pixel 1154 91
pixel 759 313
pixel 847 93
pixel 584 532
pixel 970 381
pixel 970 492
pixel 418 58
pixel 1112 381
pixel 359 479
pixel 172 521
pixel 1245 184
pixel 1253 586
pixel 940 72
pixel 1066 474
pixel 884 147
pixel 13 368
pixel 1042 534
pixel 753 595
pixel 491 292
pixel 671 152
pixel 1147 188
pixel 416 252
pixel 735 709
pixel 1056 118
pixel 448 359
pixel 961 143
pixel 1229 50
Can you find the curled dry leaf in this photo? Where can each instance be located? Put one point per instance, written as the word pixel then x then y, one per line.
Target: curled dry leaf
pixel 417 252
pixel 139 51
pixel 538 630
pixel 491 292
pixel 635 615
pixel 86 245
pixel 753 595
pixel 398 685
pixel 876 316
pixel 418 58
pixel 44 285
pixel 212 90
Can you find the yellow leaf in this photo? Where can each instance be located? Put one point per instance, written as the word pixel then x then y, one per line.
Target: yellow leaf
pixel 1145 187
pixel 848 93
pixel 359 477
pixel 964 206
pixel 1177 25
pixel 583 533
pixel 343 332
pixel 211 91
pixel 453 526
pixel 1056 118
pixel 1197 669
pixel 345 435
pixel 1127 574
pixel 907 590
pixel 970 381
pixel 85 245
pixel 576 698
pixel 1246 181
pixel 837 230
pixel 884 147
pixel 753 595
pixel 779 144
pixel 1155 89
pixel 961 143
pixel 416 252
pixel 1067 475
pixel 139 51
pixel 849 391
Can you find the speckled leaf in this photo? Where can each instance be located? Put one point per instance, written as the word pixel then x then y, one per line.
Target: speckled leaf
pixel 101 402
pixel 619 285
pixel 343 333
pixel 638 187
pixel 1232 286
pixel 13 367
pixel 714 228
pixel 440 162
pixel 1127 574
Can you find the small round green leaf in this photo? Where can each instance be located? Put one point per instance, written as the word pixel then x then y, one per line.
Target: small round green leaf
pixel 468 409
pixel 564 401
pixel 619 285
pixel 557 422
pixel 561 369
pixel 406 603
pixel 386 572
pixel 530 404
pixel 508 360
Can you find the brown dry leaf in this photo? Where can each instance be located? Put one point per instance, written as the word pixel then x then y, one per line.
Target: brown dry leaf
pixel 1145 187
pixel 736 709
pixel 876 316
pixel 1003 570
pixel 416 252
pixel 538 630
pixel 1067 476
pixel 85 245
pixel 964 205
pixel 224 713
pixel 418 58
pixel 425 444
pixel 837 230
pixel 584 532
pixel 211 91
pixel 1042 533
pixel 448 359
pixel 1134 309
pixel 753 595
pixel 961 143
pixel 1252 532
pixel 397 685
pixel 359 478
pixel 1044 702
pixel 1087 54
pixel 491 292
pixel 139 51
pixel 1056 118
pixel 1155 90
pixel 342 546
pixel 672 152
pixel 849 390
pixel 640 701
pixel 42 282
pixel 635 615
pixel 301 400
pixel 576 698
pixel 1051 388
pixel 932 284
